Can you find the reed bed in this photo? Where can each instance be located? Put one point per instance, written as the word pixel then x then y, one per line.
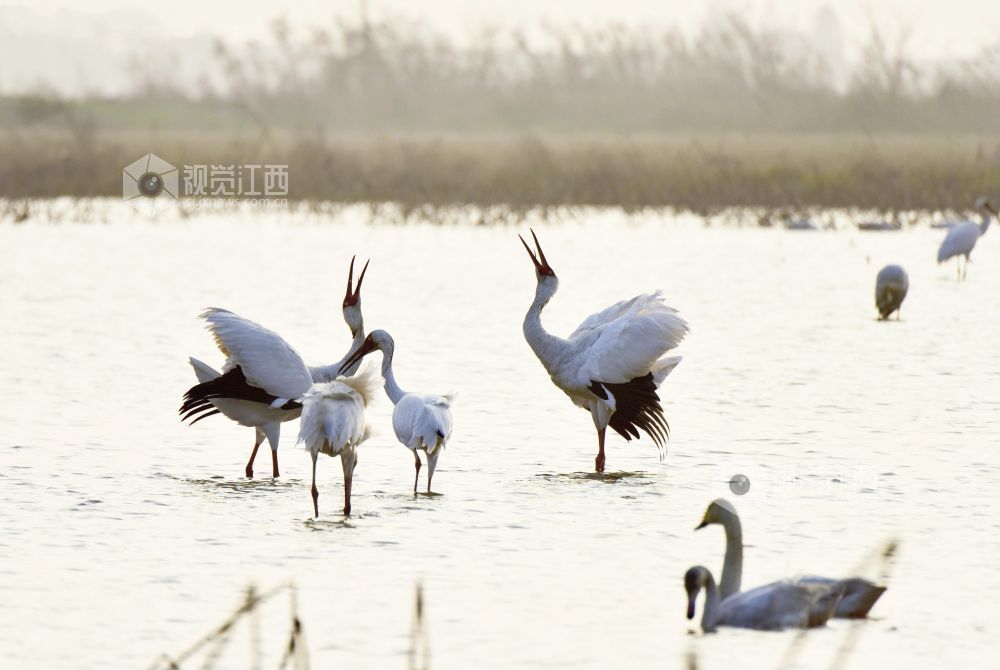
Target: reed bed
pixel 699 173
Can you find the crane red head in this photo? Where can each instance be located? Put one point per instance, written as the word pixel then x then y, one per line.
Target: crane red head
pixel 367 346
pixel 542 266
pixel 352 298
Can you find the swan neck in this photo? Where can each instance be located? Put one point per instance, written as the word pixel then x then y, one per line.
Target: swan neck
pixel 732 566
pixel 711 613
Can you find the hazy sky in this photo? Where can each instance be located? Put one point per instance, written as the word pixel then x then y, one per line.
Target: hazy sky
pixel 80 43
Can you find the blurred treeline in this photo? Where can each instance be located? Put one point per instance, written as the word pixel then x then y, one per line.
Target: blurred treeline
pixel 399 76
pixel 620 116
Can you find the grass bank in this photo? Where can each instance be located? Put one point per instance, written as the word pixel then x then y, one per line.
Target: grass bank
pixel 701 173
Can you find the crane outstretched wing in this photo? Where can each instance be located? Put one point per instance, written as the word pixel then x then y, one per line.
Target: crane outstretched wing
pixel 615 311
pixel 625 340
pixel 267 361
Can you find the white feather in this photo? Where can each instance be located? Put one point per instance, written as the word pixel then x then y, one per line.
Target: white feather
pixel 422 421
pixel 625 341
pixel 267 360
pixel 333 413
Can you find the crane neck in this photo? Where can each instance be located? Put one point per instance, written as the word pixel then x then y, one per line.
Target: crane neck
pixel 985 223
pixel 327 373
pixel 543 343
pixel 391 387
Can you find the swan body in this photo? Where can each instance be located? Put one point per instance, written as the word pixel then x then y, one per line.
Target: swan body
pixel 859 595
pixel 962 237
pixel 422 422
pixel 613 363
pixel 775 606
pixel 333 423
pixel 245 335
pixel 891 287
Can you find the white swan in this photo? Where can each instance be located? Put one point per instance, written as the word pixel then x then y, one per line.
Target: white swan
pixel 774 606
pixel 859 594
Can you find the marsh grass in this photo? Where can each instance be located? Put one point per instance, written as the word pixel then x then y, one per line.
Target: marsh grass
pixel 497 174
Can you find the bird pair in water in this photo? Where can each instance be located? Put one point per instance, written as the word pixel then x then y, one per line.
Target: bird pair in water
pixel 804 602
pixel 265 382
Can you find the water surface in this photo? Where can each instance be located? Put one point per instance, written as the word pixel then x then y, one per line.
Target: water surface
pixel 126 534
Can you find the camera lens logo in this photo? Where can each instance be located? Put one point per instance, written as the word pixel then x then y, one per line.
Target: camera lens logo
pixel 148 177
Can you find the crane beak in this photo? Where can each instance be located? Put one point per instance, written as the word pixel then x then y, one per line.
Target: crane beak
pixel 354 296
pixel 991 209
pixel 366 348
pixel 542 266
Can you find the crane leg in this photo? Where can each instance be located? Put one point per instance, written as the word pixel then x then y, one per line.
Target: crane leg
pixel 599 461
pixel 347 496
pixel 416 466
pixel 253 454
pixel 274 463
pixel 315 491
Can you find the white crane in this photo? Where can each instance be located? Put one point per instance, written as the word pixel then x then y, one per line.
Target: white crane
pixel 611 364
pixel 229 393
pixel 962 237
pixel 891 287
pixel 422 422
pixel 333 422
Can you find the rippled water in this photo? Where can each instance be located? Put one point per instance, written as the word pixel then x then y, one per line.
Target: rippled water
pixel 126 534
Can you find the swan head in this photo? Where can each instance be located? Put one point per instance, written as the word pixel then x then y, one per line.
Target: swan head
pixel 377 340
pixel 695 579
pixel 352 300
pixel 719 511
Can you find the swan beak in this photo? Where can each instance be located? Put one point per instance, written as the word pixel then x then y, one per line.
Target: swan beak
pixel 690 612
pixel 366 348
pixel 699 527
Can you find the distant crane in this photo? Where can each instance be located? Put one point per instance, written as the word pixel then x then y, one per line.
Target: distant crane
pixel 891 286
pixel 222 396
pixel 333 422
pixel 962 237
pixel 611 364
pixel 422 422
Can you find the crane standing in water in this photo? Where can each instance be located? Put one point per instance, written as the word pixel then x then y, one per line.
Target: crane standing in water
pixel 962 237
pixel 422 422
pixel 611 364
